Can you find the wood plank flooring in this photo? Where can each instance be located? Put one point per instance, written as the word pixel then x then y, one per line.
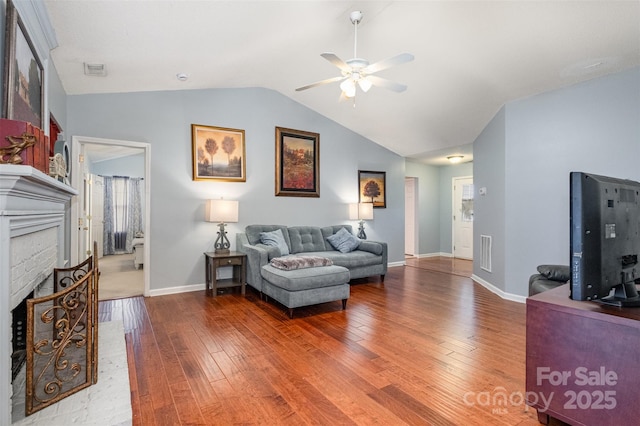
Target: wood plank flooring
pixel 424 347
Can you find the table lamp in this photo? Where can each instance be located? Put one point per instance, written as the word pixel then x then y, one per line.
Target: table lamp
pixel 361 212
pixel 223 212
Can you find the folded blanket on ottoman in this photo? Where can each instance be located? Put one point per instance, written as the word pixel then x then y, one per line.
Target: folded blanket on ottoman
pixel 289 263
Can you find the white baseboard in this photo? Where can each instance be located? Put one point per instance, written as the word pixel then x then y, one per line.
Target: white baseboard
pixel 440 254
pixel 175 290
pixel 395 264
pixel 495 290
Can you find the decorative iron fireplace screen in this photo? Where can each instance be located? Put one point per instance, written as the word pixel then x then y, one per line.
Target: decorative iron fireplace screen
pixel 62 337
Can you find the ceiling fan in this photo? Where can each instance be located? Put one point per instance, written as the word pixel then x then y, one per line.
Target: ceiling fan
pixel 358 72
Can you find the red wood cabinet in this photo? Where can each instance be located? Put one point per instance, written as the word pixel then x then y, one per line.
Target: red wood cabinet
pixel 583 360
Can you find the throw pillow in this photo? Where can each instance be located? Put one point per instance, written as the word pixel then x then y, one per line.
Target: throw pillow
pixel 276 239
pixel 560 273
pixel 343 241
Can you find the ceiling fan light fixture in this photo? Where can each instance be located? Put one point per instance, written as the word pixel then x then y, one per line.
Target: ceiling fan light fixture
pixel 364 84
pixel 348 88
pixel 360 71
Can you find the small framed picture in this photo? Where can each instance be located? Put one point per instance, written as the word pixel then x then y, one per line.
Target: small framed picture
pixel 372 188
pixel 297 163
pixel 218 153
pixel 23 73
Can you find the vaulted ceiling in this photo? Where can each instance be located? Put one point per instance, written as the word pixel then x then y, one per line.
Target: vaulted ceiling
pixel 471 57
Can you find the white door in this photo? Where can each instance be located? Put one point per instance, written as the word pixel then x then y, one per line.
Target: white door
pixel 463 217
pixel 410 228
pixel 97 211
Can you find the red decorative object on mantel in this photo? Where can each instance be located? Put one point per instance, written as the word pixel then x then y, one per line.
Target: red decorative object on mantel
pixel 24 144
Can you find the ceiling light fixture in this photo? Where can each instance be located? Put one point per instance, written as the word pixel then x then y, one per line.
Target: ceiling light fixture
pixel 454 159
pixel 357 72
pixel 182 76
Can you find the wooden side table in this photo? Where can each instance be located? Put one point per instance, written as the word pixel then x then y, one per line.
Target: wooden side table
pixel 213 261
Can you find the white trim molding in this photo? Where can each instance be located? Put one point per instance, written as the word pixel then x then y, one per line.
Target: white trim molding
pixel 495 290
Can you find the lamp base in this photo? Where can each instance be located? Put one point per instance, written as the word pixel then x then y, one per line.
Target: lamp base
pixel 222 243
pixel 361 233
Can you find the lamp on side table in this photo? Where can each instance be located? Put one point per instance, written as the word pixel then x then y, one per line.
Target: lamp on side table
pixel 223 212
pixel 361 212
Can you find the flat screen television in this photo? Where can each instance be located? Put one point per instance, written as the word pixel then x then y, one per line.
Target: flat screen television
pixel 605 239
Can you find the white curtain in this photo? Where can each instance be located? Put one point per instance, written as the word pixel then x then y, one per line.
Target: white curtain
pixel 123 216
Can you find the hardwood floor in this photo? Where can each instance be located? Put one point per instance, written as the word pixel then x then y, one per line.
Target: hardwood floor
pixel 424 347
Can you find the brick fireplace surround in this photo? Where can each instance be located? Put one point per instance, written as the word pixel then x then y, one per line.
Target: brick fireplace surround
pixel 32 241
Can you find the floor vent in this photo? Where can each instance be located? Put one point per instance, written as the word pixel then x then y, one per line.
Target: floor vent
pixel 485 252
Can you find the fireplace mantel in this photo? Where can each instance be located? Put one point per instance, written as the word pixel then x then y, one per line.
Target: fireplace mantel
pixel 30 202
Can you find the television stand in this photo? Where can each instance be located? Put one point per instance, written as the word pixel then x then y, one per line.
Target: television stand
pixel 583 360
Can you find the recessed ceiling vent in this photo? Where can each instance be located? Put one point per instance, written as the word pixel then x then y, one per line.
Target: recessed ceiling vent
pixel 95 70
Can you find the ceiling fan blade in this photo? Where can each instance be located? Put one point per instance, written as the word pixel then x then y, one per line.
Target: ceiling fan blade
pixel 388 63
pixel 319 83
pixel 386 84
pixel 331 57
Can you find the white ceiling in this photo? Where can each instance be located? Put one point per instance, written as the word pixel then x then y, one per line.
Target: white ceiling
pixel 471 57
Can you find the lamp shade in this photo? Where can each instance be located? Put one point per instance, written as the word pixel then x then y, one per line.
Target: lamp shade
pixel 348 87
pixel 221 211
pixel 361 211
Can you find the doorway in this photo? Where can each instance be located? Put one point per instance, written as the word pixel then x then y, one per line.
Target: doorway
pixel 462 223
pixel 83 227
pixel 411 224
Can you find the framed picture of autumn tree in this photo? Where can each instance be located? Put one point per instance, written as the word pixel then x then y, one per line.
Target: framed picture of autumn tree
pixel 372 188
pixel 218 153
pixel 297 163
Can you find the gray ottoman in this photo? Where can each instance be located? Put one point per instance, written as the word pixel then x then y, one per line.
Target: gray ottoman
pixel 308 286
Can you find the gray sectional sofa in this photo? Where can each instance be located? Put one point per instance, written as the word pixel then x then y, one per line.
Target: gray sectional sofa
pixel 303 287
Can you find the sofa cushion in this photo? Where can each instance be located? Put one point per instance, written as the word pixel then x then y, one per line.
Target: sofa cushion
pixel 354 259
pixel 253 233
pixel 344 241
pixel 306 238
pixel 275 239
pixel 371 246
pixel 305 279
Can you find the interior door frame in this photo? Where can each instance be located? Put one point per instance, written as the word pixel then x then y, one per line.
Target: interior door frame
pixel 76 181
pixel 453 209
pixel 415 225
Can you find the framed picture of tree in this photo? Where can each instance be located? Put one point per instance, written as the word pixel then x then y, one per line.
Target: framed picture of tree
pixel 372 188
pixel 297 163
pixel 218 153
pixel 23 73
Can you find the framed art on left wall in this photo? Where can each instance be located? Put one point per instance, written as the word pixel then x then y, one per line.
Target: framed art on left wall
pixel 218 153
pixel 23 73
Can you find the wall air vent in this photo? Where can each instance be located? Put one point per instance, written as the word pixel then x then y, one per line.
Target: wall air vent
pixel 485 252
pixel 95 70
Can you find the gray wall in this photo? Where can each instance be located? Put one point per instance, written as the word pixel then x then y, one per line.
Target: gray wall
pixel 57 99
pixel 531 146
pixel 489 215
pixel 179 235
pixel 428 178
pixel 436 204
